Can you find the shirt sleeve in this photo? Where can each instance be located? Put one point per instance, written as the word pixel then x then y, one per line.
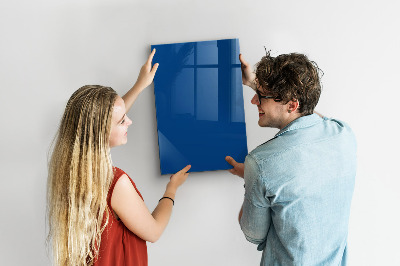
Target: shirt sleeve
pixel 256 217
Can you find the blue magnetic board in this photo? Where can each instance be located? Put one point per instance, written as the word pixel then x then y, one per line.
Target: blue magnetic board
pixel 199 105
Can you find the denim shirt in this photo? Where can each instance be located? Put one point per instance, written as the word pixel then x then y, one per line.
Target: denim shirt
pixel 298 191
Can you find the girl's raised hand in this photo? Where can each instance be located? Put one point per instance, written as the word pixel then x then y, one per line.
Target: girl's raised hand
pixel 147 73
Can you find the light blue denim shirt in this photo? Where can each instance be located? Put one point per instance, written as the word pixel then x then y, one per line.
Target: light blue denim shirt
pixel 298 191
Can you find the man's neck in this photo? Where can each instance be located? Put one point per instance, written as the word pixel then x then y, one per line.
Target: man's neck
pixel 289 120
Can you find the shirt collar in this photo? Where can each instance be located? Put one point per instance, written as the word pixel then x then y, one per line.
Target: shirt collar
pixel 301 122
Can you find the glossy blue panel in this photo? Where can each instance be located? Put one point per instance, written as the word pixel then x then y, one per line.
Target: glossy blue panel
pixel 199 105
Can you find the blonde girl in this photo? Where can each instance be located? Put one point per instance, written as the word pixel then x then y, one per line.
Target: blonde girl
pixel 96 214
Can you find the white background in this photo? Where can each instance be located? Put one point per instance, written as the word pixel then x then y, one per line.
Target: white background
pixel 48 49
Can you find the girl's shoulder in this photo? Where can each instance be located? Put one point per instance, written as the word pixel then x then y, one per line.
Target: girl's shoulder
pixel 118 172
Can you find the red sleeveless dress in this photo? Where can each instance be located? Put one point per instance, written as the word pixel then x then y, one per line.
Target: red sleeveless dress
pixel 119 246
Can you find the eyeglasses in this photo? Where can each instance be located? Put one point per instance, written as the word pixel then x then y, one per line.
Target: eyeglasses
pixel 276 99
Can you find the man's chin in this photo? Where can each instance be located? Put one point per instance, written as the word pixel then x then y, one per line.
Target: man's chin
pixel 265 124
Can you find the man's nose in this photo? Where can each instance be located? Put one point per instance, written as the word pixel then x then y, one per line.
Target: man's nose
pixel 254 100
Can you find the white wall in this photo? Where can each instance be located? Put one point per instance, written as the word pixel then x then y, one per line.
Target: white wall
pixel 49 49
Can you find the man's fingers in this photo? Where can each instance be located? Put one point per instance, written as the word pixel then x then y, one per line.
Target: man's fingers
pixel 231 161
pixel 244 63
pixel 151 56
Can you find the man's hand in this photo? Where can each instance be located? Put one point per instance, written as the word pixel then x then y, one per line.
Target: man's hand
pixel 248 76
pixel 238 168
pixel 147 73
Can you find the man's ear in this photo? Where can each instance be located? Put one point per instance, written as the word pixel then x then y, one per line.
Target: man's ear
pixel 293 105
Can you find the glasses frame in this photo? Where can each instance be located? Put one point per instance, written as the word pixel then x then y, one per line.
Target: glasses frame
pixel 276 99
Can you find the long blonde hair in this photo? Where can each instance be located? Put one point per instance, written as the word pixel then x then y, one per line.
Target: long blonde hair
pixel 80 174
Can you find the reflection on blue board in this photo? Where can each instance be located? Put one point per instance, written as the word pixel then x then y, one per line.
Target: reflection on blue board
pixel 199 105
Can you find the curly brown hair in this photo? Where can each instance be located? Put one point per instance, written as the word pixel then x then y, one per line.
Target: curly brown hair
pixel 290 77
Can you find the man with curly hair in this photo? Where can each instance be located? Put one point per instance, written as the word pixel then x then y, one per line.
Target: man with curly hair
pixel 299 184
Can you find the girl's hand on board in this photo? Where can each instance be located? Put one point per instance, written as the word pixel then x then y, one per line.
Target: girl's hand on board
pixel 147 73
pixel 179 178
